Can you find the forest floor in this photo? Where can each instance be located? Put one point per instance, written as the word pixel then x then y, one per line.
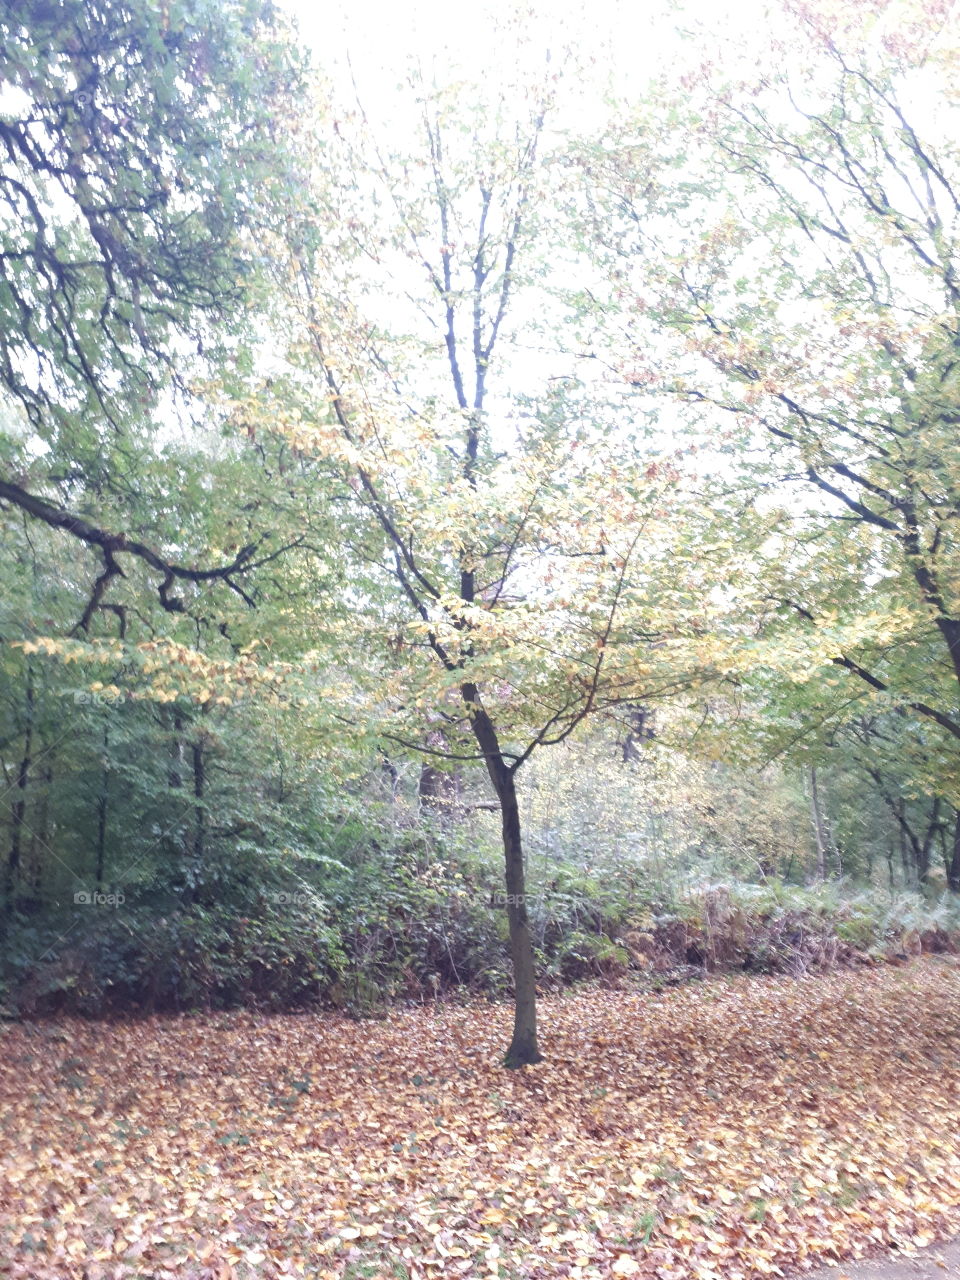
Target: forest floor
pixel 726 1130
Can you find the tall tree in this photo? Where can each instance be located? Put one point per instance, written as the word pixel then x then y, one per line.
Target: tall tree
pixel 143 151
pixel 805 297
pixel 526 566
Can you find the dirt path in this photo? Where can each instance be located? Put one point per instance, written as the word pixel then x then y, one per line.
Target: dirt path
pixel 935 1263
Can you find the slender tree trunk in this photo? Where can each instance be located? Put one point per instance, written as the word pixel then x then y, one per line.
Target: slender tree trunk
pixel 103 800
pixel 199 786
pixel 819 827
pixel 19 808
pixel 950 630
pixel 440 790
pixel 430 787
pixel 174 773
pixel 523 1048
pixel 915 850
pixel 195 841
pixel 640 730
pixel 45 837
pixel 909 866
pixel 925 848
pixel 176 838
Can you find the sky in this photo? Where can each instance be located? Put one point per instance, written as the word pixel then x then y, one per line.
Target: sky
pixel 366 47
pixel 621 44
pixel 628 40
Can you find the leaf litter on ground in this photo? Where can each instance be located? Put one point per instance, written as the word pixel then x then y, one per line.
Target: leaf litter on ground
pixel 733 1129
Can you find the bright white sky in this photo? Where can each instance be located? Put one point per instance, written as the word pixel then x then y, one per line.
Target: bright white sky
pixel 629 40
pixel 618 47
pixel 620 44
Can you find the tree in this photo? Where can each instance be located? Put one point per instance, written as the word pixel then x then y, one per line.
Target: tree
pixel 142 154
pixel 523 563
pixel 805 294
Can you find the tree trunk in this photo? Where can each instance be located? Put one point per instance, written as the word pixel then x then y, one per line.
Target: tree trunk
pixel 950 630
pixel 523 1048
pixel 640 730
pixel 439 790
pixel 919 849
pixel 175 771
pixel 19 807
pixel 819 827
pixel 953 871
pixel 45 837
pixel 909 865
pixel 103 801
pixel 390 773
pixel 925 848
pixel 915 850
pixel 199 786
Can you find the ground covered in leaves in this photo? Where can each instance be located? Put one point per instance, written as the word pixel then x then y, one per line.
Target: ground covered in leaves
pixel 734 1128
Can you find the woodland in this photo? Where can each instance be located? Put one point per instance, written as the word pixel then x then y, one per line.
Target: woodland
pixel 479 644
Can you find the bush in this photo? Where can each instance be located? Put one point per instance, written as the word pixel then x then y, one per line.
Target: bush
pixel 778 928
pixel 591 955
pixel 417 914
pixel 195 958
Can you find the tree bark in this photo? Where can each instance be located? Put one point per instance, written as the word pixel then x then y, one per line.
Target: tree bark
pixel 523 1049
pixel 919 848
pixel 819 827
pixel 909 865
pixel 199 786
pixel 439 791
pixel 44 836
pixel 925 847
pixel 523 1046
pixel 103 802
pixel 640 730
pixel 175 771
pixel 19 807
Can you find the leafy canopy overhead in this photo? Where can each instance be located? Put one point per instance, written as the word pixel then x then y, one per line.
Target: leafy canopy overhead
pixel 137 144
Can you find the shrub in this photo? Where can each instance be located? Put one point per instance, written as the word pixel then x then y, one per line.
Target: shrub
pixel 418 914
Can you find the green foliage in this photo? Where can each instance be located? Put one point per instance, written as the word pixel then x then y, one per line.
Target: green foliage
pixel 414 912
pixel 187 959
pixel 589 955
pixel 142 155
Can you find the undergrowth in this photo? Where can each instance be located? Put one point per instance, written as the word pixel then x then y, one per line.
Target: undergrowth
pixel 364 924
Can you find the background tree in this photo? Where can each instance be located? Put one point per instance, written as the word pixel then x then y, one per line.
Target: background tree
pixel 804 297
pixel 414 439
pixel 142 155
